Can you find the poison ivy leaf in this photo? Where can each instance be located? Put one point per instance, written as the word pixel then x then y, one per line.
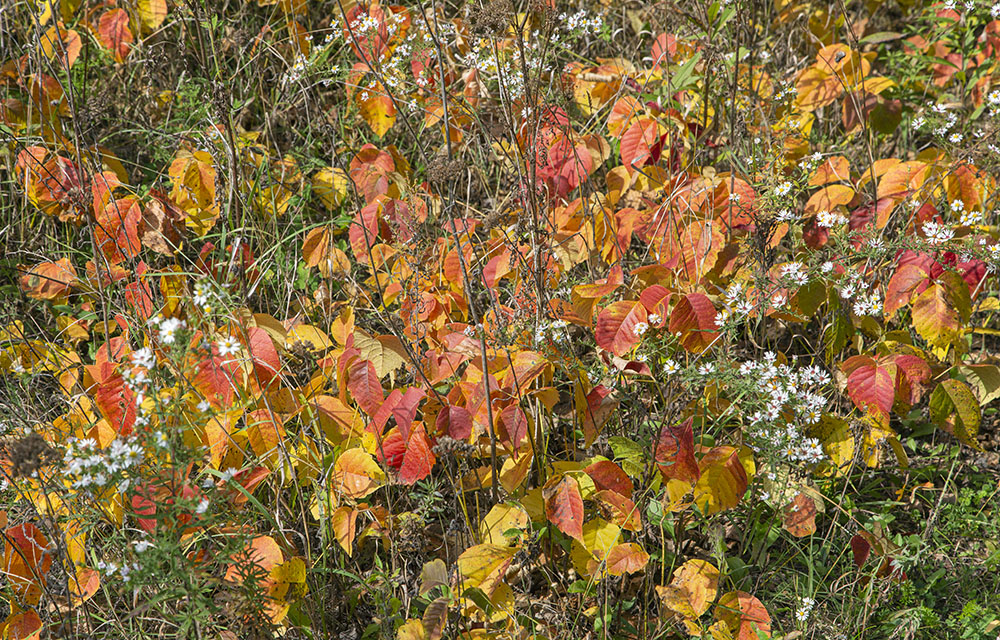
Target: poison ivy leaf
pixel 564 505
pixel 745 616
pixel 626 558
pixel 616 326
pixel 113 32
pixel 484 566
pixel 694 319
pixel 955 409
pixel 356 474
pixel 692 589
pixel 722 482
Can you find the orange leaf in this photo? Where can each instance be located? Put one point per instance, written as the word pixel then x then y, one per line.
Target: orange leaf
pixel 834 169
pixel 616 326
pixel 799 516
pixel 344 521
pixel 62 43
pixel 26 560
pixel 564 506
pixel 745 615
pixel 356 474
pixel 829 197
pixel 694 319
pixel 114 34
pixel 117 229
pixel 692 589
pixel 49 280
pixel 625 558
pixel 25 625
pixel 262 554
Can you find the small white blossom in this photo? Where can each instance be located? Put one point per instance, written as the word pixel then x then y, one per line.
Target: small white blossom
pixel 169 329
pixel 228 346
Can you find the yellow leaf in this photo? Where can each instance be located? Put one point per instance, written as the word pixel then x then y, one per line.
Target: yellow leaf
pixel 331 186
pixel 311 335
pixel 484 565
pixel 152 13
pixel 384 352
pixel 377 110
pixel 501 518
pixel 692 589
pixel 288 584
pixel 412 629
pixel 599 537
pixel 356 474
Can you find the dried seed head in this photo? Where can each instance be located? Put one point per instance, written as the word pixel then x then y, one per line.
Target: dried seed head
pixel 492 19
pixel 441 169
pixel 29 454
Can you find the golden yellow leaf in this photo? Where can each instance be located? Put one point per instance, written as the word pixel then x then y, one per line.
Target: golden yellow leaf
pixel 356 474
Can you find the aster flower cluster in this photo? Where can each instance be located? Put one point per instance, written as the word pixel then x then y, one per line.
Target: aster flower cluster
pixel 579 24
pixel 109 569
pixel 866 299
pixel 92 467
pixel 554 330
pixel 791 397
pixel 829 219
pixel 737 301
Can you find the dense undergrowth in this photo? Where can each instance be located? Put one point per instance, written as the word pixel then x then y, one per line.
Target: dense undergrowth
pixel 505 319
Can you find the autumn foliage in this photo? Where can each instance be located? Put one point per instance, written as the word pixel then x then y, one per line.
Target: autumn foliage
pixel 532 344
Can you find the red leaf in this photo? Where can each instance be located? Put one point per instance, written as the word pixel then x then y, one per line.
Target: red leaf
pixel 418 459
pixel 638 141
pixel 391 449
pixel 564 506
pixel 512 426
pixel 608 475
pixel 674 452
pixel 616 326
pixel 600 406
pixel 655 299
pixel 216 377
pixel 694 319
pixel 263 354
pixel 909 280
pixel 117 229
pixel 455 421
pixel 364 385
pixel 870 386
pixel 406 409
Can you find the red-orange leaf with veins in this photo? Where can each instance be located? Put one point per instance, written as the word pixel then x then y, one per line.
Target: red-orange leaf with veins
pixel 616 326
pixel 564 506
pixel 114 34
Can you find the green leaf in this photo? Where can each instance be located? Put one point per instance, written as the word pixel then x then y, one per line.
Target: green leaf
pixel 955 409
pixel 880 37
pixel 984 380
